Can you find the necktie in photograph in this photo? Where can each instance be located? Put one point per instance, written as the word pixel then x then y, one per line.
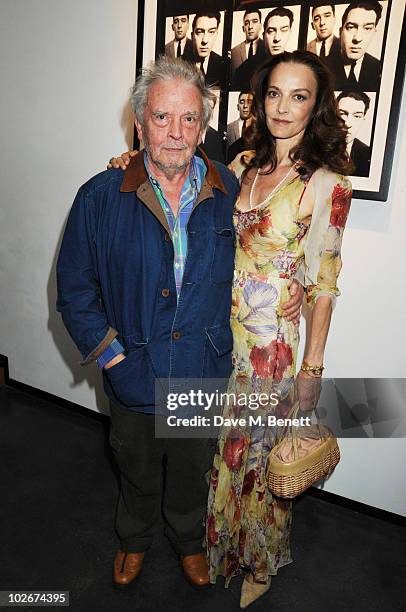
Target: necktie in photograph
pixel 251 50
pixel 202 68
pixel 179 50
pixel 352 80
pixel 323 50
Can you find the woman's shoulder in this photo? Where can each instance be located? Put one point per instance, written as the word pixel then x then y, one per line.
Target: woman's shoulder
pixel 324 176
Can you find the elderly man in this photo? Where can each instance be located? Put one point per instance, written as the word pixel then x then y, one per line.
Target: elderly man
pixel 352 108
pixel 354 68
pixel 323 22
pixel 144 289
pixel 204 35
pixel 181 44
pixel 252 45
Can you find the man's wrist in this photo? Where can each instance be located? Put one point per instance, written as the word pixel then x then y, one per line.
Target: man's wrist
pixel 113 350
pixel 115 360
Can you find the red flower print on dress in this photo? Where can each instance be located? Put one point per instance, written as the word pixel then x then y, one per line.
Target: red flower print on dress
pixel 211 530
pixel 341 200
pixel 249 482
pixel 271 359
pixel 233 449
pixel 214 478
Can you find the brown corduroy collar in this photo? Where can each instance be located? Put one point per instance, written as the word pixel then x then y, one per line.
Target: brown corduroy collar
pixel 135 174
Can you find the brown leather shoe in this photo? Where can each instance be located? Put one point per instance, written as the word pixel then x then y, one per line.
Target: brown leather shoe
pixel 127 567
pixel 196 570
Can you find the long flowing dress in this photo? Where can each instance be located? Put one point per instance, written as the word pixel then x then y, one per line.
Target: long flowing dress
pixel 247 527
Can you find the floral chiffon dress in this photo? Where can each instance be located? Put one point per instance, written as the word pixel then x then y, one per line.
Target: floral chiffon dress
pixel 247 527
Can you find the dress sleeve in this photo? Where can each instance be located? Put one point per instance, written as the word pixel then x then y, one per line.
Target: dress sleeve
pixel 322 263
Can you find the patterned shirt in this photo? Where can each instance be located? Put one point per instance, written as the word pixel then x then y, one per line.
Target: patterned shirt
pixel 178 223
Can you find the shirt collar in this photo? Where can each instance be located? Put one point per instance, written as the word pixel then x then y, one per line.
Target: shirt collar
pixel 136 175
pixel 192 171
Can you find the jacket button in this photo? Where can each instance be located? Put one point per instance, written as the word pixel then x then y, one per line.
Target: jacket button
pixel 176 335
pixel 165 292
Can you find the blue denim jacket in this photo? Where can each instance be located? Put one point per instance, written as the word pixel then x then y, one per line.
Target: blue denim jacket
pixel 115 279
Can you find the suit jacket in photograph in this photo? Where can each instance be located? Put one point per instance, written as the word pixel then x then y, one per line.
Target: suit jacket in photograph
pixel 239 53
pixel 216 72
pixel 235 149
pixel 233 132
pixel 369 76
pixel 213 145
pixel 170 48
pixel 334 49
pixel 361 156
pixel 242 76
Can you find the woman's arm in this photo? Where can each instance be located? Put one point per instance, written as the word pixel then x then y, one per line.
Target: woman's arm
pixel 323 265
pixel 319 326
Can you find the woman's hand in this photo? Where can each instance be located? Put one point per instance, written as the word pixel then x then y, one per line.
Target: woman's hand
pixel 307 390
pixel 122 161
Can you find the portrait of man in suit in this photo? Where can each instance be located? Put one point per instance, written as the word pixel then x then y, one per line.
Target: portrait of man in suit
pixel 352 108
pixel 204 34
pixel 276 31
pixel 277 28
pixel 181 44
pixel 354 68
pixel 323 22
pixel 236 128
pixel 253 44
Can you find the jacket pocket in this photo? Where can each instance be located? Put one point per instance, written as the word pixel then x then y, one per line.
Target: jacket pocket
pixel 222 267
pixel 221 339
pixel 217 355
pixel 133 380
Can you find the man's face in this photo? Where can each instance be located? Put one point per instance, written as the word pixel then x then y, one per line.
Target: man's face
pixel 204 36
pixel 180 26
pixel 277 34
pixel 323 21
pixel 251 27
pixel 245 105
pixel 172 125
pixel 357 33
pixel 353 113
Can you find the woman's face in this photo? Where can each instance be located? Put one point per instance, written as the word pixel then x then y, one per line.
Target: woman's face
pixel 289 100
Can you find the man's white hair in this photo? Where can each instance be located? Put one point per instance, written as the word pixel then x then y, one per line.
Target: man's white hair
pixel 167 69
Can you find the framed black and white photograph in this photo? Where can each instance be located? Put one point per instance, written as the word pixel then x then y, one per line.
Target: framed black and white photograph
pixel 363 44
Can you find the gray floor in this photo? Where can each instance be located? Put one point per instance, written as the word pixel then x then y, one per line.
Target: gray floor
pixel 58 492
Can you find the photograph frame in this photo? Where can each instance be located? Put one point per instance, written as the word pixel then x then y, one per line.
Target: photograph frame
pixel 376 185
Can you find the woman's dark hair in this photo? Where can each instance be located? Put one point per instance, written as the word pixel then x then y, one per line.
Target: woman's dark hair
pixel 324 140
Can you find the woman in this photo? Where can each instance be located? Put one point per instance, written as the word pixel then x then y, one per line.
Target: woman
pixel 289 221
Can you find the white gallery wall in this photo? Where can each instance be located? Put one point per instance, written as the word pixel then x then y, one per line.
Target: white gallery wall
pixel 66 68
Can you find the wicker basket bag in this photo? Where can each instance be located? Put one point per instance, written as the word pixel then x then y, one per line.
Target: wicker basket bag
pixel 298 461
